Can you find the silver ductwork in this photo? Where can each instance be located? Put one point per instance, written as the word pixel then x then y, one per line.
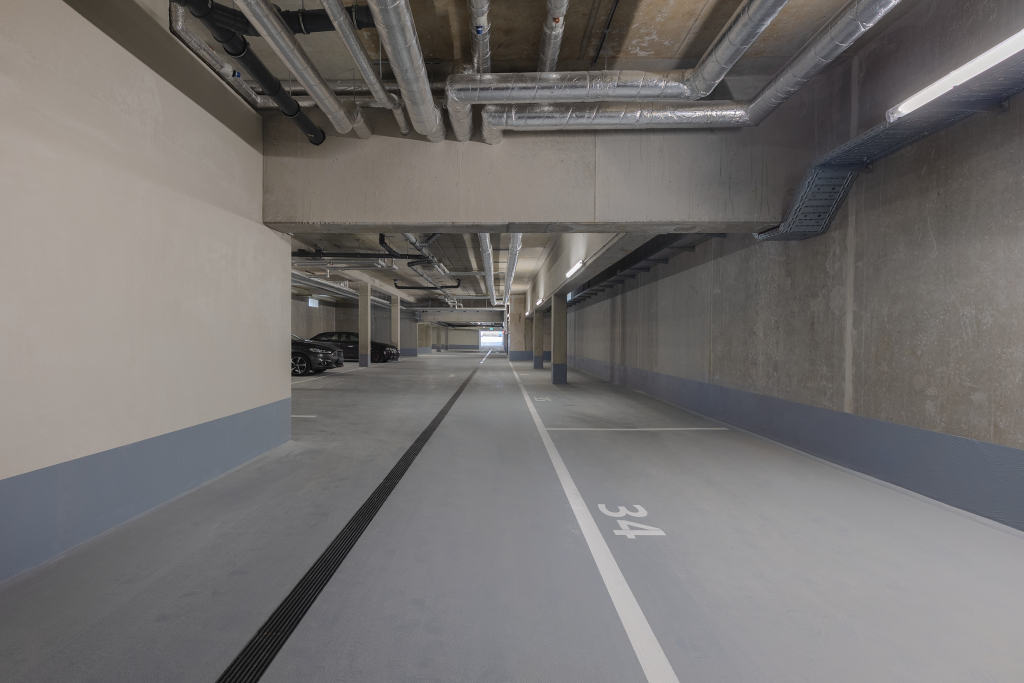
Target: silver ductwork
pixel 514 245
pixel 747 23
pixel 264 17
pixel 397 30
pixel 179 27
pixel 465 90
pixel 478 10
pixel 487 256
pixel 551 40
pixel 855 19
pixel 343 24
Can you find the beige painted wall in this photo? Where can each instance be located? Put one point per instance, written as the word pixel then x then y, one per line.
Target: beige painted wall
pixel 464 337
pixel 139 215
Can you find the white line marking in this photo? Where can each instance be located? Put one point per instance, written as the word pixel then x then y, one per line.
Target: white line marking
pixel 638 429
pixel 648 650
pixel 485 357
pixel 294 416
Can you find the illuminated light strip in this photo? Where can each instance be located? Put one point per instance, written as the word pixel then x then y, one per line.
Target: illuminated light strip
pixel 1000 53
pixel 579 264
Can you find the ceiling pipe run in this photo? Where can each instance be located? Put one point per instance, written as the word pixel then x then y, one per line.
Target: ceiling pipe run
pixel 237 47
pixel 422 249
pixel 515 244
pixel 855 19
pixel 551 39
pixel 487 256
pixel 746 24
pixel 397 31
pixel 264 17
pixel 343 23
pixel 478 10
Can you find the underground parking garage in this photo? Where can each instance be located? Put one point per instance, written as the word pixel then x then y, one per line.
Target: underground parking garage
pixel 630 341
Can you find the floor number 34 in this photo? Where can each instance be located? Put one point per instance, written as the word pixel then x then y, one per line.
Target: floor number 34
pixel 631 529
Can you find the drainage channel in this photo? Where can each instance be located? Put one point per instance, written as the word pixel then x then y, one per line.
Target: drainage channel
pixel 256 657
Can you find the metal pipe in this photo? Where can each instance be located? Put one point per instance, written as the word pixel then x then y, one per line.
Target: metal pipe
pixel 398 34
pixel 515 243
pixel 237 47
pixel 345 116
pixel 747 23
pixel 551 39
pixel 343 23
pixel 422 249
pixel 487 256
pixel 352 87
pixel 478 10
pixel 855 19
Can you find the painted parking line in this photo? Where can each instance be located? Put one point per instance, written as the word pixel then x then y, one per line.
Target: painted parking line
pixel 645 644
pixel 638 429
pixel 294 416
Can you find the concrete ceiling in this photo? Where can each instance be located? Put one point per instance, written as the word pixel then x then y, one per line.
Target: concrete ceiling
pixel 643 34
pixel 459 252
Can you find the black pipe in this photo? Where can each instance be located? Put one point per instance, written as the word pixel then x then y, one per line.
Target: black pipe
pixel 387 247
pixel 351 254
pixel 238 48
pixel 299 21
pixel 458 283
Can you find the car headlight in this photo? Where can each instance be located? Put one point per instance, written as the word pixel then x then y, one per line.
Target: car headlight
pixel 317 349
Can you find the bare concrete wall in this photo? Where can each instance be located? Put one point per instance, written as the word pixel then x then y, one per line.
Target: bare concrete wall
pixel 149 212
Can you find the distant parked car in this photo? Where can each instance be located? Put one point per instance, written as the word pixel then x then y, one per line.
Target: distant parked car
pixel 310 357
pixel 349 342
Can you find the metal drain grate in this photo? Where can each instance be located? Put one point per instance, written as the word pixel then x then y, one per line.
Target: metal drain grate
pixel 255 658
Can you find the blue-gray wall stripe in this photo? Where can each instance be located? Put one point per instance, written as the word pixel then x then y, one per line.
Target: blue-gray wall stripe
pixel 50 510
pixel 520 355
pixel 980 477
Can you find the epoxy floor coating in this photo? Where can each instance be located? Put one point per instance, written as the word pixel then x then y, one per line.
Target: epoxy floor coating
pixel 749 562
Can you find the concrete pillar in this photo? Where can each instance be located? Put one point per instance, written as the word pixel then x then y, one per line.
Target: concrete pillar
pixel 364 324
pixel 423 338
pixel 559 340
pixel 446 331
pixel 433 337
pixel 538 340
pixel 517 344
pixel 396 322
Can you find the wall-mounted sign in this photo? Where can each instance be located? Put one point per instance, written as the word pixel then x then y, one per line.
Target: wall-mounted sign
pixel 313 303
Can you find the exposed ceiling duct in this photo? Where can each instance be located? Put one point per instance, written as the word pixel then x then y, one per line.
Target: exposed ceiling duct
pixel 397 31
pixel 514 245
pixel 481 27
pixel 465 90
pixel 551 40
pixel 423 249
pixel 264 17
pixel 855 19
pixel 238 48
pixel 487 256
pixel 343 23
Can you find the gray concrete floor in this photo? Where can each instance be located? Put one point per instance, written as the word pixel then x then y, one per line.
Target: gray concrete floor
pixel 773 566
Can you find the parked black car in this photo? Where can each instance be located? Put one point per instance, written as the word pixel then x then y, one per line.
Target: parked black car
pixel 349 343
pixel 308 356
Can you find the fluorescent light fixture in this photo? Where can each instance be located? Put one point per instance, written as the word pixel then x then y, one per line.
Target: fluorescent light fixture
pixel 313 303
pixel 1000 53
pixel 579 264
pixel 540 301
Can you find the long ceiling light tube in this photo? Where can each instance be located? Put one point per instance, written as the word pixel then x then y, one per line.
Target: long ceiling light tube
pixel 397 30
pixel 343 24
pixel 264 17
pixel 1000 53
pixel 855 19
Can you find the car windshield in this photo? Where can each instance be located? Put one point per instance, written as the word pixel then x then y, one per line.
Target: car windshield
pixel 297 337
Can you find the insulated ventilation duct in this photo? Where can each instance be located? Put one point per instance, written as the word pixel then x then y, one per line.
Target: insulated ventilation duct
pixel 481 27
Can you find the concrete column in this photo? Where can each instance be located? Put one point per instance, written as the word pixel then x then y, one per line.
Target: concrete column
pixel 538 340
pixel 559 340
pixel 396 322
pixel 433 337
pixel 517 344
pixel 423 333
pixel 446 331
pixel 364 324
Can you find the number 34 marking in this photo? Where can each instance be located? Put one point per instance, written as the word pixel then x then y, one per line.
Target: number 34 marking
pixel 631 529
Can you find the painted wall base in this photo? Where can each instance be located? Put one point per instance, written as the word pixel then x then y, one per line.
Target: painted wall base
pixel 559 373
pixel 984 478
pixel 364 360
pixel 547 356
pixel 464 347
pixel 520 355
pixel 410 352
pixel 50 510
pixel 424 350
pixel 538 362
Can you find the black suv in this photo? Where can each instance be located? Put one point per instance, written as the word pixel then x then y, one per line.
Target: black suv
pixel 349 343
pixel 310 357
